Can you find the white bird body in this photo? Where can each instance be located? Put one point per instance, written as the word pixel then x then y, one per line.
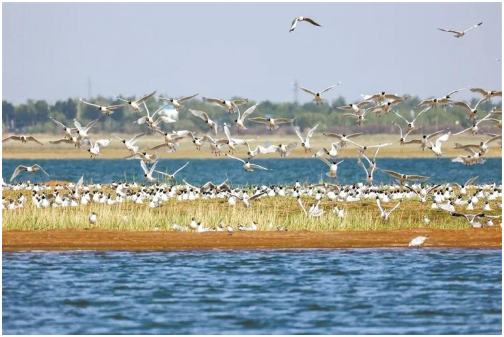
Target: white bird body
pixel 418 241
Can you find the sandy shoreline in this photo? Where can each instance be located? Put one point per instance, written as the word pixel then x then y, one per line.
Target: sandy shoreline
pixel 64 240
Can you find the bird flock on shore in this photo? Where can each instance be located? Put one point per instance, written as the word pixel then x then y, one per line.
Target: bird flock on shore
pixel 444 197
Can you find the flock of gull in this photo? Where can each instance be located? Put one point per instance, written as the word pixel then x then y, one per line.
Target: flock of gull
pixel 443 197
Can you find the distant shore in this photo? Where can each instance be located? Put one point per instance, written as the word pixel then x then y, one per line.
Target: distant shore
pixel 69 240
pixel 15 150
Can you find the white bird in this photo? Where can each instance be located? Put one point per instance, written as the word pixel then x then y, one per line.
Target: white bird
pixel 272 123
pixel 72 140
pixel 240 121
pixel 149 119
pixel 471 218
pixel 418 241
pixel 443 101
pixel 177 103
pixel 106 110
pixel 457 33
pixel 424 141
pixel 384 214
pixel 382 97
pixel 247 165
pixel 130 144
pixel 300 19
pixel 356 108
pixel 384 108
pixel 333 152
pixel 402 178
pixel 172 176
pixel 82 132
pixel 204 116
pixel 482 147
pixel 230 106
pixel 23 139
pixel 363 148
pixel 94 149
pixel 411 124
pixel 474 128
pixel 305 142
pixel 148 158
pixel 317 96
pixel 402 138
pixel 148 173
pixel 93 218
pixel 257 151
pixel 333 167
pixel 343 137
pixel 68 131
pixel 436 148
pixel 135 105
pixel 282 149
pixel 30 169
pixel 487 94
pixel 472 112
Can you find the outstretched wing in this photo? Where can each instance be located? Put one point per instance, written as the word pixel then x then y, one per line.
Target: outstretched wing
pixel 183 99
pixel 329 88
pixel 146 97
pixel 227 155
pixel 259 120
pixel 201 114
pixel 310 20
pixel 308 91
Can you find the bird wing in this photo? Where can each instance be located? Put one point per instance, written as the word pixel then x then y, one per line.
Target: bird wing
pixel 146 97
pixel 240 101
pixel 479 91
pixel 141 120
pixel 493 139
pixel 103 142
pixel 165 119
pixel 435 134
pixel 61 125
pixel 77 125
pixel 180 169
pixel 227 133
pixel 471 181
pixel 379 206
pixel 293 25
pixel 333 135
pixel 115 107
pixel 95 105
pixel 37 166
pixel 34 140
pixel 325 161
pixel 284 120
pixel 258 167
pixel 144 167
pixel 227 155
pixel 468 29
pixel 454 91
pixel 310 20
pixel 208 139
pixel 417 177
pixel 401 117
pixel 308 91
pixel 248 112
pixel 448 30
pixel 399 127
pixel 392 173
pixel 393 209
pixel 291 146
pixel 64 140
pixel 300 202
pixel 463 105
pixel 300 136
pixel 17 171
pixel 201 114
pixel 329 88
pixel 461 132
pixel 156 147
pixel 259 120
pixel 153 167
pixel 311 132
pixel 212 100
pixel 91 124
pixel 362 165
pixel 183 99
pixel 442 139
pixel 136 137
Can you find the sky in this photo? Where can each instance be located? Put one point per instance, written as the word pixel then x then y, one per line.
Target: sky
pixel 56 51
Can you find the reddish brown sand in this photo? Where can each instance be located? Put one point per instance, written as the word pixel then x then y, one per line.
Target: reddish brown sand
pixel 116 240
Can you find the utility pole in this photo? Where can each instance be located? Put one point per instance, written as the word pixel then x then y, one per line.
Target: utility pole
pixel 296 90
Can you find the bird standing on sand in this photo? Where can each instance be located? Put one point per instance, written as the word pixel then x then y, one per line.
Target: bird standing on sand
pixel 418 241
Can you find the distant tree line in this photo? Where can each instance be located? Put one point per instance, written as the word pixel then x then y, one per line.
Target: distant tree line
pixel 33 116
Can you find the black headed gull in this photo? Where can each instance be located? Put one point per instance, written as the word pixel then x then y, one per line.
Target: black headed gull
pixel 135 105
pixel 272 123
pixel 229 105
pixel 317 96
pixel 177 103
pixel 23 139
pixel 30 169
pixel 106 110
pixel 300 19
pixel 459 34
pixel 247 165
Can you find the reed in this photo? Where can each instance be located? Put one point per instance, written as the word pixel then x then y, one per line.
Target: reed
pixel 280 211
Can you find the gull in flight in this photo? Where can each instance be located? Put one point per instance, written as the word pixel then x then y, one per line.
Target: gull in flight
pixel 272 123
pixel 385 108
pixel 68 131
pixel 94 149
pixel 231 106
pixel 403 137
pixel 130 144
pixel 232 142
pixel 424 140
pixel 459 34
pixel 471 159
pixel 356 108
pixel 106 110
pixel 148 173
pixel 384 214
pixel 471 218
pixel 305 143
pixel 31 169
pixel 82 132
pixel 317 96
pixel 487 94
pixel 382 97
pixel 411 125
pixel 150 119
pixel 434 102
pixel 436 147
pixel 333 167
pixel 23 139
pixel 482 147
pixel 204 116
pixel 302 18
pixel 402 178
pixel 247 165
pixel 135 105
pixel 177 103
pixel 369 172
pixel 419 240
pixel 258 150
pixel 359 118
pixel 474 128
pixel 363 148
pixel 72 140
pixel 343 137
pixel 143 156
pixel 282 149
pixel 472 112
pixel 240 121
pixel 172 176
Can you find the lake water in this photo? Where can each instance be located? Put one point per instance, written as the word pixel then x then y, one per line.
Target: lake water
pixel 368 291
pixel 199 171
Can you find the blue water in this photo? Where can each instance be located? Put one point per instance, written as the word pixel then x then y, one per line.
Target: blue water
pixel 388 291
pixel 199 171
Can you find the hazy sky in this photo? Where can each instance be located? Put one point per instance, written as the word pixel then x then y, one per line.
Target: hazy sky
pixel 221 50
